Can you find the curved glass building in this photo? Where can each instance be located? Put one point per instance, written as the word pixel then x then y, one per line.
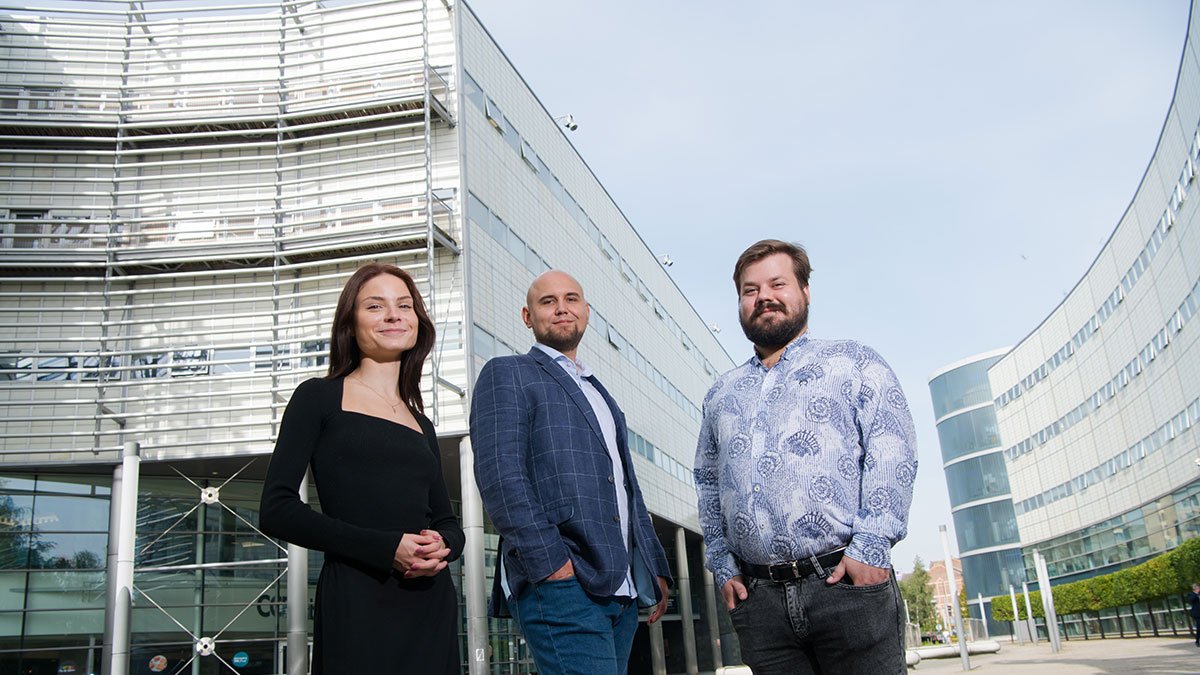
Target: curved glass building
pixel 989 542
pixel 1098 406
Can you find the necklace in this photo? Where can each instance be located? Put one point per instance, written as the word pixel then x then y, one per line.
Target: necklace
pixel 381 396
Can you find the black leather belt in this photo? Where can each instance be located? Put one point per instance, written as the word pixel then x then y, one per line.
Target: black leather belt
pixel 820 565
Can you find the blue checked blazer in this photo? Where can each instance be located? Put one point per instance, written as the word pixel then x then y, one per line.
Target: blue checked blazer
pixel 546 479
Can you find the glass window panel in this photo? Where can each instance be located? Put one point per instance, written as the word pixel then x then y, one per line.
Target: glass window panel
pixel 510 135
pixel 148 366
pixel 968 432
pixel 961 387
pixel 977 478
pixel 498 229
pixel 16 483
pixel 476 211
pixel 240 359
pixel 58 624
pixel 15 367
pixel 493 114
pixel 533 262
pixel 66 590
pixel 240 547
pixel 16 512
pixel 516 246
pixel 598 324
pixel 189 363
pixel 70 513
pixel 986 525
pixel 473 91
pixel 483 344
pixel 14 550
pixel 55 368
pixel 12 595
pixel 53 550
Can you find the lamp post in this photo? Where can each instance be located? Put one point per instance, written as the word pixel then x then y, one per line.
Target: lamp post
pixel 958 623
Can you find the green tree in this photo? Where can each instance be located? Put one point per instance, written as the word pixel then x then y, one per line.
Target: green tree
pixel 916 592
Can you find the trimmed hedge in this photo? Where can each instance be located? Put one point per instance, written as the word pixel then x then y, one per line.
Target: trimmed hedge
pixel 1171 573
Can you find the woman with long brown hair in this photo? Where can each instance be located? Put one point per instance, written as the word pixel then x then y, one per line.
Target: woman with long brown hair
pixel 385 602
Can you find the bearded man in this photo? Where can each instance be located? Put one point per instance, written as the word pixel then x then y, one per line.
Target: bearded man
pixel 578 552
pixel 804 470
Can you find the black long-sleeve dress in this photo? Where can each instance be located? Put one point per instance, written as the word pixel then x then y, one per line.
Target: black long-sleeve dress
pixel 377 480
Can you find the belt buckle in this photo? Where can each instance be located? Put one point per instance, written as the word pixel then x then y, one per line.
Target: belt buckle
pixel 793 567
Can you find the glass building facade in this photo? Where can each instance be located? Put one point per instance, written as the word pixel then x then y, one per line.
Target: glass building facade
pixel 985 523
pixel 1098 406
pixel 184 189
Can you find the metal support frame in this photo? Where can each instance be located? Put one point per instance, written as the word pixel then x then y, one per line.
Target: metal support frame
pixel 714 620
pixel 952 589
pixel 1048 601
pixel 297 601
pixel 983 617
pixel 683 579
pixel 658 655
pixel 474 593
pixel 427 155
pixel 1012 595
pixel 124 588
pixel 1029 613
pixel 126 534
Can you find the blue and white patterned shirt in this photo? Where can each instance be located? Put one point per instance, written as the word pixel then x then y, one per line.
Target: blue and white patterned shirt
pixel 817 452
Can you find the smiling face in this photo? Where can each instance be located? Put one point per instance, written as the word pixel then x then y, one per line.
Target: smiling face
pixel 385 321
pixel 556 311
pixel 772 305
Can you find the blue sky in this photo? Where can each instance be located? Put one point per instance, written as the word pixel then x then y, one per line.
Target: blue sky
pixel 953 168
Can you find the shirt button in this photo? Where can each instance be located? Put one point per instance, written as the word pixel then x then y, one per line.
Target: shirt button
pixel 616 519
pixel 610 479
pixel 758 488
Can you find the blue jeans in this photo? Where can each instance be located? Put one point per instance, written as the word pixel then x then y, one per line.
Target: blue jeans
pixel 572 633
pixel 809 627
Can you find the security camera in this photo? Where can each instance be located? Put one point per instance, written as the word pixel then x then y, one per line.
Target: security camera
pixel 569 122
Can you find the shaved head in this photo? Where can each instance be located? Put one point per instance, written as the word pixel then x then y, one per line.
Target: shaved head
pixel 549 280
pixel 556 311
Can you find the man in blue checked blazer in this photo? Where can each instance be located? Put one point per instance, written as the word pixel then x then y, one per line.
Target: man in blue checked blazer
pixel 578 553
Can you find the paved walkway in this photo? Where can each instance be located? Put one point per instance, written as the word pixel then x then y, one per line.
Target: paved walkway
pixel 1166 656
pixel 1157 656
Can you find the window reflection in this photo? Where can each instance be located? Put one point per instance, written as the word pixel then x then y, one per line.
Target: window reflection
pixel 962 387
pixel 969 432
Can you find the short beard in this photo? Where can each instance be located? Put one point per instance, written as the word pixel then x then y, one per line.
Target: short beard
pixel 777 334
pixel 561 344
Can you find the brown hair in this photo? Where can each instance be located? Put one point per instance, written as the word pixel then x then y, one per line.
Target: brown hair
pixel 767 247
pixel 344 355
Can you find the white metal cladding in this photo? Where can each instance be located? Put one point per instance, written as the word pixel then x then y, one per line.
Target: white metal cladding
pixel 183 192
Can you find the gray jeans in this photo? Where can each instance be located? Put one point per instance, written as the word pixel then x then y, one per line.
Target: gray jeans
pixel 808 626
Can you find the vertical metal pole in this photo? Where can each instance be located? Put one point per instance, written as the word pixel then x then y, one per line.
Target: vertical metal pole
pixel 907 616
pixel 430 252
pixel 126 535
pixel 983 618
pixel 297 601
pixel 1012 594
pixel 1029 614
pixel 198 580
pixel 953 591
pixel 714 621
pixel 683 579
pixel 1047 601
pixel 658 655
pixel 114 544
pixel 472 562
